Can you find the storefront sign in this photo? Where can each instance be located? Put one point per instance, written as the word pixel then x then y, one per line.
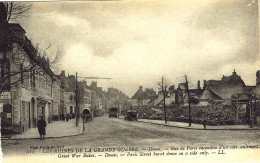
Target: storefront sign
pixel 6 95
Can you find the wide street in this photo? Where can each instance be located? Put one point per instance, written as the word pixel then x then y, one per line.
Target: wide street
pixel 114 132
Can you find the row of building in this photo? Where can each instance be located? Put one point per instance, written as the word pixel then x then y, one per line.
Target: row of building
pixel 29 88
pixel 227 89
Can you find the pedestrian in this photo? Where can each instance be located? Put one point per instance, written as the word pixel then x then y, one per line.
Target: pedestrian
pixel 41 124
pixel 204 123
pixel 63 117
pixel 67 118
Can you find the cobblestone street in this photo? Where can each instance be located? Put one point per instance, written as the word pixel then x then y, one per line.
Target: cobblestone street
pixel 114 132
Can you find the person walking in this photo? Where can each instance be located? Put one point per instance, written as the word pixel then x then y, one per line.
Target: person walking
pixel 41 124
pixel 67 117
pixel 204 123
pixel 63 117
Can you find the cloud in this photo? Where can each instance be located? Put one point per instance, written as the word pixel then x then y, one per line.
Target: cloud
pixel 135 43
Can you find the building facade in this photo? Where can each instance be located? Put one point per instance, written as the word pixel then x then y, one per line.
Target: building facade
pixel 84 97
pixel 28 89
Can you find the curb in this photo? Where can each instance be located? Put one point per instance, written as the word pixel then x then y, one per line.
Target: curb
pixel 44 138
pixel 52 137
pixel 5 138
pixel 198 128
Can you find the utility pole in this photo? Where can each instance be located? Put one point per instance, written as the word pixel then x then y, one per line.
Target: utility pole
pixel 187 87
pixel 76 97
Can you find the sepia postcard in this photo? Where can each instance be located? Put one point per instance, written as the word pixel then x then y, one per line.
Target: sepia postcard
pixel 130 81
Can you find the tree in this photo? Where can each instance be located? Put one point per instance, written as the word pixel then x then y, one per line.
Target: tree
pixel 163 88
pixel 17 67
pixel 19 58
pixel 188 92
pixel 16 10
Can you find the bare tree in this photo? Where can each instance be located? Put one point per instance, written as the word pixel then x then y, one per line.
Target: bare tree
pixel 188 92
pixel 163 88
pixel 20 63
pixel 16 10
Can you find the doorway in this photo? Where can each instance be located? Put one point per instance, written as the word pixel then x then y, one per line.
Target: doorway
pixel 29 112
pixel 33 112
pixel 71 109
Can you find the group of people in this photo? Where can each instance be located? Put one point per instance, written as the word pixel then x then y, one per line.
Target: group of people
pixel 67 117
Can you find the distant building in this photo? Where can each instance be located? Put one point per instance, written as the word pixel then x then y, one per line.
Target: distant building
pixel 84 96
pixel 100 101
pixel 117 98
pixel 222 89
pixel 169 99
pixel 142 98
pixel 69 84
pixel 57 97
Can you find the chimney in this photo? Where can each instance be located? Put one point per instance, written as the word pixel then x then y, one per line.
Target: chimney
pixel 110 89
pixel 258 77
pixel 172 88
pixel 204 86
pixel 84 83
pixel 62 73
pixel 141 88
pixel 93 84
pixel 234 72
pixel 198 87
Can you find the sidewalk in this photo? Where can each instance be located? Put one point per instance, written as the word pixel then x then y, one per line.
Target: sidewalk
pixel 55 129
pixel 197 126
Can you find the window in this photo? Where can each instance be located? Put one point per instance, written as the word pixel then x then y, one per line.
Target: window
pixel 21 74
pixel 27 81
pixel 2 69
pixel 46 83
pixel 33 79
pixel 23 110
pixel 71 97
pixel 8 70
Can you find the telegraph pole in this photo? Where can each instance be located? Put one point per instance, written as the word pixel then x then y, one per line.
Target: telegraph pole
pixel 76 97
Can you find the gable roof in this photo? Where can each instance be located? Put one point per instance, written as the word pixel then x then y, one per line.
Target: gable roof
pixel 240 97
pixel 149 93
pixel 196 92
pixel 210 95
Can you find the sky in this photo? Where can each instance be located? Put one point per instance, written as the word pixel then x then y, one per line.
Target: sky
pixel 137 42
